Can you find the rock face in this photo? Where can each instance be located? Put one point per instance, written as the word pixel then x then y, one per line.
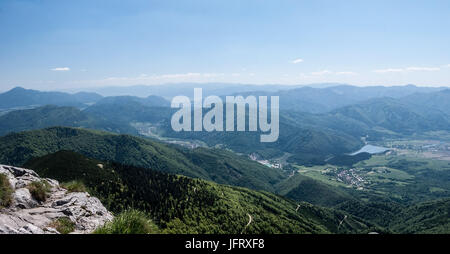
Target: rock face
pixel 28 216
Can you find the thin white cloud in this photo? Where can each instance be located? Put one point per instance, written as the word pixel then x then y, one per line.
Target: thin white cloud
pixel 423 69
pixel 321 73
pixel 389 70
pixel 154 79
pixel 177 77
pixel 408 69
pixel 296 61
pixel 327 72
pixel 61 69
pixel 346 73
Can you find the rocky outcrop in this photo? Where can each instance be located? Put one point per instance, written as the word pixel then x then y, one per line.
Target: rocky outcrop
pixel 27 215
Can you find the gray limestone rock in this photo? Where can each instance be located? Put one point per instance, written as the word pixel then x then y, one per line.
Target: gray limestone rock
pixel 28 216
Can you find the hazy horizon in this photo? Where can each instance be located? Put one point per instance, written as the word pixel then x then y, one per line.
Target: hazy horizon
pixel 203 84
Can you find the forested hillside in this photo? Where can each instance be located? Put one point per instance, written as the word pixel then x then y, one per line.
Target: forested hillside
pixel 184 205
pixel 224 166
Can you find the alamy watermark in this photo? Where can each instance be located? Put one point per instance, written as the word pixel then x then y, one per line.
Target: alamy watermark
pixel 213 119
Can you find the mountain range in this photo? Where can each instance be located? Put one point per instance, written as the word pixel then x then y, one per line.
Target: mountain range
pixel 146 165
pixel 21 97
pixel 308 137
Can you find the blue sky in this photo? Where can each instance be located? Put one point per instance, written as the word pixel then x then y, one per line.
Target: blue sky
pixel 69 44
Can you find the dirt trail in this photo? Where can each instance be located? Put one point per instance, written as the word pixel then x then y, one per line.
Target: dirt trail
pixel 250 220
pixel 340 223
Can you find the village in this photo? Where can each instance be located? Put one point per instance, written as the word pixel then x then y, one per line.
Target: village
pixel 267 163
pixel 347 176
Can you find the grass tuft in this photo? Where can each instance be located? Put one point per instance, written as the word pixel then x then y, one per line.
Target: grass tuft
pixel 39 190
pixel 74 186
pixel 63 225
pixel 5 191
pixel 129 222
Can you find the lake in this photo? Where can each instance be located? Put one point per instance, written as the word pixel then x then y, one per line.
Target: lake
pixel 371 149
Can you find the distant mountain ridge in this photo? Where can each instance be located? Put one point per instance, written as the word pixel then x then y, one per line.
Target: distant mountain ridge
pixel 439 100
pixel 149 101
pixel 322 100
pixel 315 98
pixel 49 116
pixel 220 89
pixel 309 142
pixel 187 89
pixel 309 137
pixel 407 115
pixel 21 97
